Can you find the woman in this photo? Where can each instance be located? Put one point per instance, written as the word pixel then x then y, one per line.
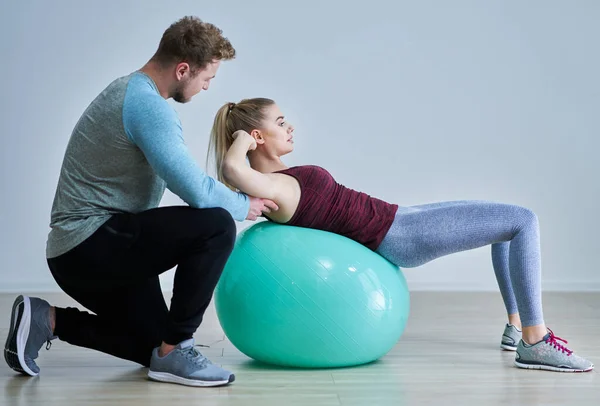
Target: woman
pixel 308 196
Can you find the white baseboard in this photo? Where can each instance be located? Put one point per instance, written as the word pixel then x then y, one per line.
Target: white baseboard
pixel 29 287
pixel 548 286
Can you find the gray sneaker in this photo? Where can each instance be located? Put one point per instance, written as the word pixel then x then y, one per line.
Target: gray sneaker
pixel 29 330
pixel 510 338
pixel 550 355
pixel 185 365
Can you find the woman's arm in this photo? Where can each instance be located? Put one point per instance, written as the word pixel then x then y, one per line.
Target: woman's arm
pixel 242 176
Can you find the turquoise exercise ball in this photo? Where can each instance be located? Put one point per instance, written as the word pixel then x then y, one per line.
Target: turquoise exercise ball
pixel 299 297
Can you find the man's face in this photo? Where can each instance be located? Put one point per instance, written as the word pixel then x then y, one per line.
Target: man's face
pixel 190 85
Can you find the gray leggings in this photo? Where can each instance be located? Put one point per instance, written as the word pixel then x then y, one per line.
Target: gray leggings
pixel 423 233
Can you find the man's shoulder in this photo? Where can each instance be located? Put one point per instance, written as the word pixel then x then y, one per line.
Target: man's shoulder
pixel 142 98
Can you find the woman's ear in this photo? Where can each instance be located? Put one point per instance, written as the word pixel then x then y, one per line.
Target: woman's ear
pixel 258 136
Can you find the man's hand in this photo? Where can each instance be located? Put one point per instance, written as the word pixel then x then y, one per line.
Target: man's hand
pixel 260 206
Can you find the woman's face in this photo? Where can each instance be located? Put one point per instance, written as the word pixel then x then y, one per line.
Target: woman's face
pixel 275 138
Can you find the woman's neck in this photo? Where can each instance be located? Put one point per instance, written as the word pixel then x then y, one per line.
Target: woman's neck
pixel 265 164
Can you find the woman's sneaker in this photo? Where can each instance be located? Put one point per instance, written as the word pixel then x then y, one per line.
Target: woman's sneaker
pixel 510 338
pixel 29 330
pixel 551 355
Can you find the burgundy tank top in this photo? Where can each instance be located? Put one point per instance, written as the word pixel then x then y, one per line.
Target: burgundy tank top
pixel 329 206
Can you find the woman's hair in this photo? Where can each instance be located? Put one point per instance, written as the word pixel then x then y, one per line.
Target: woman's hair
pixel 246 115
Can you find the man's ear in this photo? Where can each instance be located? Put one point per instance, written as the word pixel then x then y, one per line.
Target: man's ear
pixel 258 136
pixel 182 69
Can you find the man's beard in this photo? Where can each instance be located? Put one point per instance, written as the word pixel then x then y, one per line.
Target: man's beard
pixel 178 94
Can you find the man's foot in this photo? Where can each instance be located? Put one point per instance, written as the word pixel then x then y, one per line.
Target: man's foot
pixel 29 330
pixel 185 365
pixel 550 355
pixel 510 338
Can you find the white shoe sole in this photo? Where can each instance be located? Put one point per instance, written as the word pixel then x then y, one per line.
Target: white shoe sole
pixel 507 347
pixel 170 378
pixel 22 334
pixel 550 368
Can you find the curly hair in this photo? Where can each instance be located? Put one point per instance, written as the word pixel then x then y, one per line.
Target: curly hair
pixel 195 42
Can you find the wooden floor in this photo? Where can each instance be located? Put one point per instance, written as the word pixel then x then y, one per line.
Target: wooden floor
pixel 449 355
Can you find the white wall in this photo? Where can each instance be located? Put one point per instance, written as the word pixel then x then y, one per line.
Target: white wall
pixel 411 102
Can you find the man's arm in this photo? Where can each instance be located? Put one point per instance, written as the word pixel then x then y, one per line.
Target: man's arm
pixel 153 126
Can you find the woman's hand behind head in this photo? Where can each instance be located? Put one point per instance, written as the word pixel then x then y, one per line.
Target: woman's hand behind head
pixel 243 136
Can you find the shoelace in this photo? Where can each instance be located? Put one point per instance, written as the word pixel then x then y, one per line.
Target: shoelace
pixel 196 356
pixel 207 361
pixel 554 341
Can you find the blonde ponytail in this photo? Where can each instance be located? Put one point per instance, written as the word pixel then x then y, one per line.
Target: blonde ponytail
pixel 220 142
pixel 246 115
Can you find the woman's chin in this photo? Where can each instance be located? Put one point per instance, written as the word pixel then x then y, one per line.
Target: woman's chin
pixel 289 147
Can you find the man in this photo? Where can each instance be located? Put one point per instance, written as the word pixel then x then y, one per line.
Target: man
pixel 109 240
